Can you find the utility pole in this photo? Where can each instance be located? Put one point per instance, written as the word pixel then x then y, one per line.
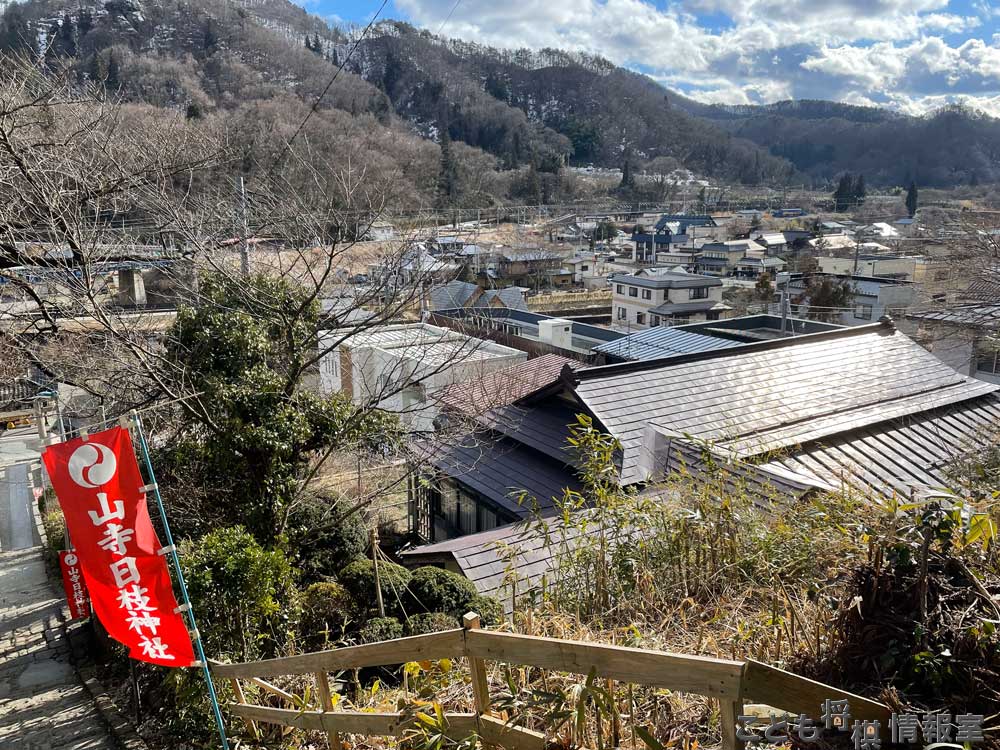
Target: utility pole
pixel 244 231
pixel 378 579
pixel 857 254
pixel 782 280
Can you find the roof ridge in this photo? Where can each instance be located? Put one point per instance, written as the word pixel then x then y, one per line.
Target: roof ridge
pixel 883 326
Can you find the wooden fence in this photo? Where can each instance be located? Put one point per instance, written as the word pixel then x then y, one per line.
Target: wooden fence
pixel 731 683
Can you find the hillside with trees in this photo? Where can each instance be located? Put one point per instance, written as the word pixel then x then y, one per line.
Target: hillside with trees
pixel 512 118
pixel 951 146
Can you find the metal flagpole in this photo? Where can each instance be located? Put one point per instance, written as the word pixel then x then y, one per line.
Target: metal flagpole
pixel 186 606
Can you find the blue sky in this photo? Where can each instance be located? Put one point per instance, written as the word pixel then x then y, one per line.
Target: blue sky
pixel 912 55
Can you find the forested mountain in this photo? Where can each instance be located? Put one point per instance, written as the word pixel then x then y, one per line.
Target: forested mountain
pixel 477 123
pixel 952 146
pixel 583 108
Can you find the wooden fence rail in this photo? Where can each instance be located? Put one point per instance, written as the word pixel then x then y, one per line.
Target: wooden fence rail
pixel 732 683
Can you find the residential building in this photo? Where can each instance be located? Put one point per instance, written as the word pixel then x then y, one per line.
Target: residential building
pixel 834 243
pixel 788 213
pixel 753 268
pixel 866 264
pixel 966 337
pixel 688 224
pixel 871 298
pixel 399 368
pixel 864 408
pixel 648 244
pixel 458 294
pixel 525 267
pixel 774 243
pixel 833 227
pixel 381 231
pixel 878 229
pixel 530 332
pixel 722 258
pixel 654 297
pixel 583 267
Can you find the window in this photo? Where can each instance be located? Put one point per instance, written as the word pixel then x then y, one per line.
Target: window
pixel 412 395
pixel 633 291
pixel 467 520
pixel 622 314
pixel 640 318
pixel 656 320
pixel 988 362
pixel 647 294
pixel 619 289
pixel 700 292
pixel 585 267
pixel 863 312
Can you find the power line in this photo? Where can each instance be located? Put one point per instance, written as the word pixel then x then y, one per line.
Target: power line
pixel 448 17
pixel 315 106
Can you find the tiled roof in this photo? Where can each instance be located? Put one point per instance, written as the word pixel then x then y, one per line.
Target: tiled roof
pixel 773 394
pixel 979 316
pixel 908 454
pixel 511 297
pixel 503 387
pixel 500 470
pixel 452 295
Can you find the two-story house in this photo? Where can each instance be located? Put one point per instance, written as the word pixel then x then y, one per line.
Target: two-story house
pixel 722 258
pixel 659 296
pixel 871 297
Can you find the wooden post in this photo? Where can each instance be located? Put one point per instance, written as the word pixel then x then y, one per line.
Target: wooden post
pixel 729 710
pixel 325 704
pixel 477 667
pixel 378 579
pixel 242 699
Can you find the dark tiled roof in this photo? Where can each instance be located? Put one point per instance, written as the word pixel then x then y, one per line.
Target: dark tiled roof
pixel 978 316
pixel 510 297
pixel 503 387
pixel 490 559
pixel 500 469
pixel 662 341
pixel 903 455
pixel 543 426
pixel 773 394
pixel 452 295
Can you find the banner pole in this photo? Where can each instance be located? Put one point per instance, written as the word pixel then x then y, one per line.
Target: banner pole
pixel 195 634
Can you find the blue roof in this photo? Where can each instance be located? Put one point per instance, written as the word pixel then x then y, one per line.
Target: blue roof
pixel 662 341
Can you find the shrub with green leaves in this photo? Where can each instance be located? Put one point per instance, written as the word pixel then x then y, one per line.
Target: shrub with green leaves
pixel 244 595
pixel 490 611
pixel 439 590
pixel 380 629
pixel 430 622
pixel 323 538
pixel 359 580
pixel 327 611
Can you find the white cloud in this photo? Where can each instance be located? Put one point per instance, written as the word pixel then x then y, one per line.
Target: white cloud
pixel 867 50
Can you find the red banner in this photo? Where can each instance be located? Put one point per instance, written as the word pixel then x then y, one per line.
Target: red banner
pixel 76 589
pixel 99 488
